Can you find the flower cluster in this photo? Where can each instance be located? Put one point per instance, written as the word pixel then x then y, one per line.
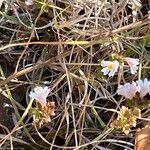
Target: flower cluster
pixel 40 94
pixel 129 90
pixel 126 119
pixel 44 109
pixel 111 67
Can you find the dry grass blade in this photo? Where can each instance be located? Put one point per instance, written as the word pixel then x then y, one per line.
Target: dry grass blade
pixel 88 57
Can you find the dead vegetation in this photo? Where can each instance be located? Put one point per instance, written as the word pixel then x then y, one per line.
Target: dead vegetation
pixel 61 44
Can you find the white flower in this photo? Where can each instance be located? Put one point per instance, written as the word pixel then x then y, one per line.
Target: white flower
pixel 29 2
pixel 137 3
pixel 143 87
pixel 128 90
pixel 132 62
pixel 40 94
pixel 110 67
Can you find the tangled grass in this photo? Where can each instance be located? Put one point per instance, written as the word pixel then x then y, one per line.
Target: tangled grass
pixel 60 44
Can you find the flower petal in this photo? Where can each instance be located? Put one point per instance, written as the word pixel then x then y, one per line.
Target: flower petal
pixel 110 67
pixel 40 94
pixel 127 90
pixel 143 87
pixel 132 62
